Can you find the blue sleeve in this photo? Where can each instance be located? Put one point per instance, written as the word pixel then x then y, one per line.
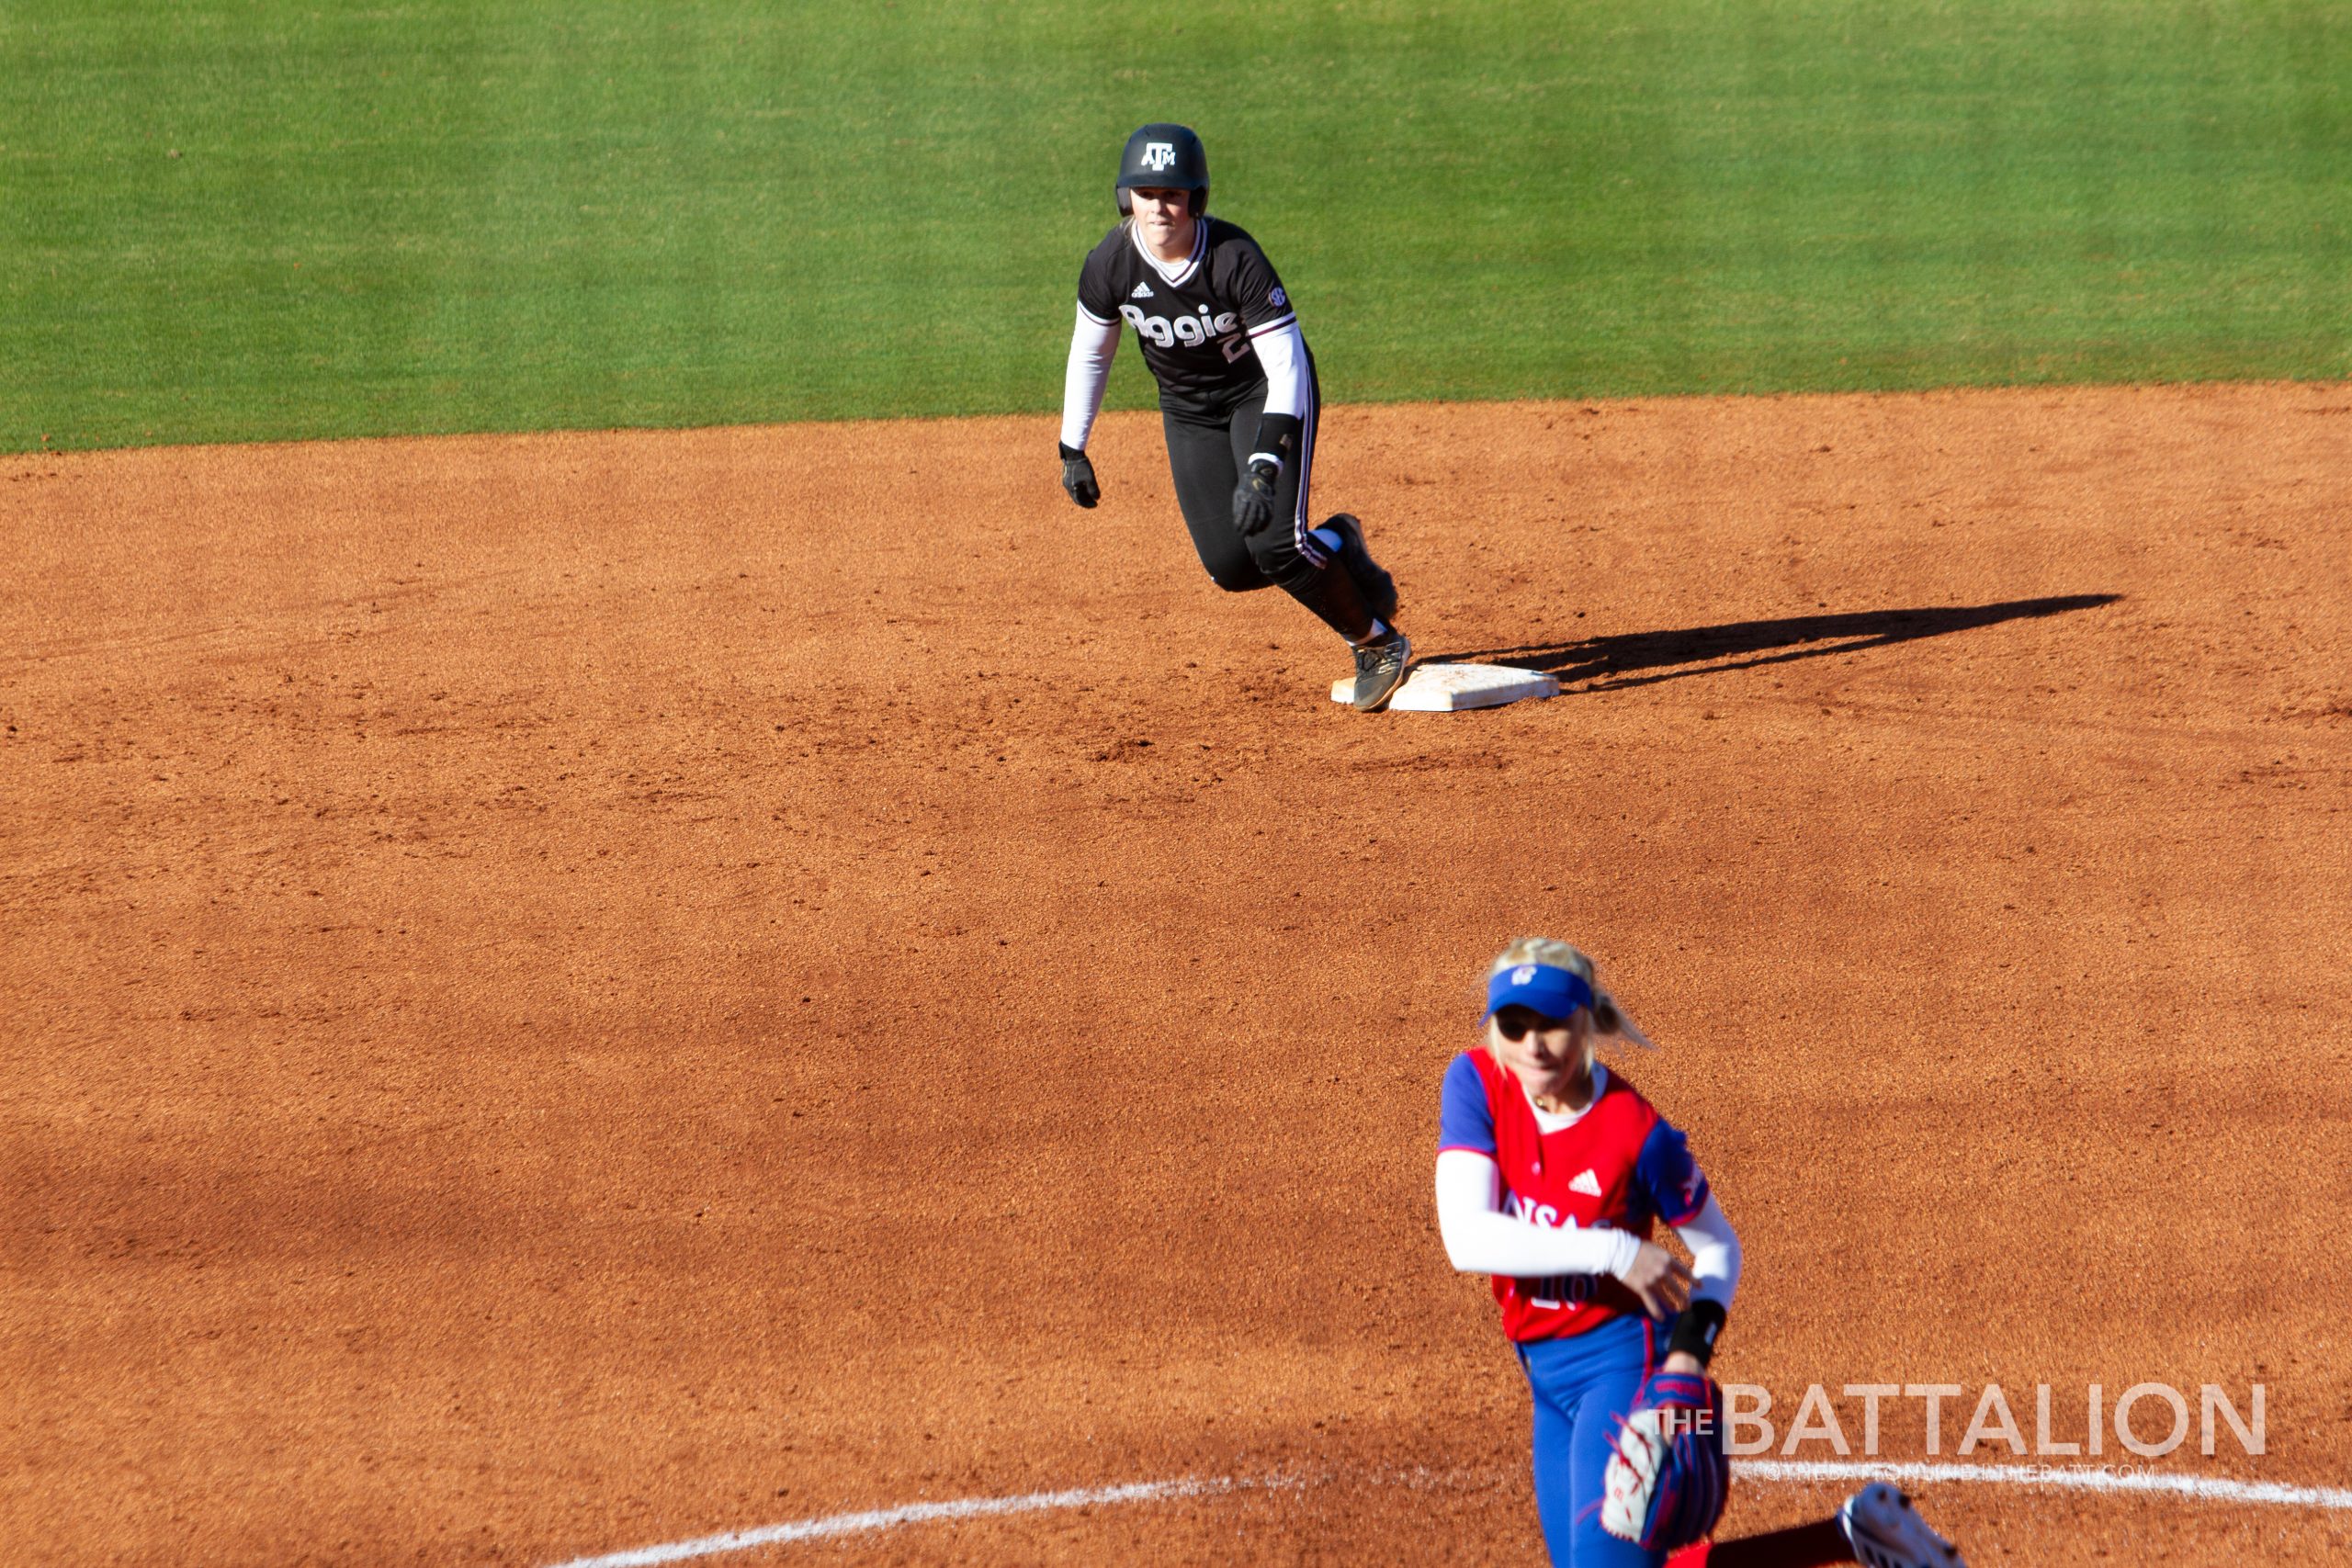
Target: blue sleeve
pixel 1464 1120
pixel 1669 1176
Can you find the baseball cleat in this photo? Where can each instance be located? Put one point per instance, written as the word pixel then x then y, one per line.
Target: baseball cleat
pixel 1886 1531
pixel 1380 670
pixel 1378 589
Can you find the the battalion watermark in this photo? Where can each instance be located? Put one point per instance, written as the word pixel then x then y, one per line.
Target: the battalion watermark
pixel 2148 1420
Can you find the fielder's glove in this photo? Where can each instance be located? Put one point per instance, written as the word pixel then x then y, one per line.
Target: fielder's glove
pixel 1078 475
pixel 1667 1478
pixel 1253 501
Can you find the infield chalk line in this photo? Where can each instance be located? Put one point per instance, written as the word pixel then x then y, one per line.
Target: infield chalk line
pixel 2211 1488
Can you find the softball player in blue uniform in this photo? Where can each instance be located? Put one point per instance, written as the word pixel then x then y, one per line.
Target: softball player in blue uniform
pixel 1239 401
pixel 1553 1173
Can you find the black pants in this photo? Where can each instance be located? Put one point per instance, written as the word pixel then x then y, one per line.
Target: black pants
pixel 1206 453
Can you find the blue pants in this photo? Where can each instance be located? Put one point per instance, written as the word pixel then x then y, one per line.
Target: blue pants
pixel 1583 1387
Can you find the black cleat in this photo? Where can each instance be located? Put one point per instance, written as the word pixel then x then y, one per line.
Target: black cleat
pixel 1377 588
pixel 1381 668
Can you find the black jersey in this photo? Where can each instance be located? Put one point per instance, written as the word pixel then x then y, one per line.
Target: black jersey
pixel 1196 319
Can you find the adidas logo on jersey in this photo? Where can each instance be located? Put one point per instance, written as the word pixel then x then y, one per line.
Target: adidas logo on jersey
pixel 1586 1183
pixel 1143 291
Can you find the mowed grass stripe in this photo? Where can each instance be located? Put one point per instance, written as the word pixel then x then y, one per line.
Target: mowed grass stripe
pixel 444 216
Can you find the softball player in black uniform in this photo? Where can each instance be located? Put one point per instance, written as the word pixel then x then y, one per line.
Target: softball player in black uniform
pixel 1237 400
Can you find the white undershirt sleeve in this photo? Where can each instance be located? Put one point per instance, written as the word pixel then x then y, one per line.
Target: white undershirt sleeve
pixel 1481 1239
pixel 1090 348
pixel 1283 353
pixel 1715 1254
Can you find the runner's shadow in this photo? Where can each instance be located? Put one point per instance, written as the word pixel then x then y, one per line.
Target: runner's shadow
pixel 1609 662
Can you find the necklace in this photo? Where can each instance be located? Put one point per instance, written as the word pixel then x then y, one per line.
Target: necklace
pixel 1561 1104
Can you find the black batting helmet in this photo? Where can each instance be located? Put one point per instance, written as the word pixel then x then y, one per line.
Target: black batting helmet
pixel 1163 157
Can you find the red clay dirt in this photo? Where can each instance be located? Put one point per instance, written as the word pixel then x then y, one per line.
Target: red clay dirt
pixel 570 992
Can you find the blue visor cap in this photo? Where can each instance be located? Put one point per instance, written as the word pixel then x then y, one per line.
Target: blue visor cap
pixel 1539 988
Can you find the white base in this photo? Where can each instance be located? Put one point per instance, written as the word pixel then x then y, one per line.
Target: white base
pixel 1449 688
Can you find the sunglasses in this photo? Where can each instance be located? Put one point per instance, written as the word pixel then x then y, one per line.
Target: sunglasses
pixel 1516 1023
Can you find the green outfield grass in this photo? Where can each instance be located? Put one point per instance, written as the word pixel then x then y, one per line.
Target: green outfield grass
pixel 233 222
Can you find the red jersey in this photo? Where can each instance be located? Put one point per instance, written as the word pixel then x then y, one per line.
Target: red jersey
pixel 1620 1164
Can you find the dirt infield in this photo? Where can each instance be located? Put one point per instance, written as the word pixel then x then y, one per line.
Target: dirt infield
pixel 572 992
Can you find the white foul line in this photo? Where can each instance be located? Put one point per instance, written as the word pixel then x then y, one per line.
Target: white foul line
pixel 2213 1487
pixel 909 1514
pixel 2210 1487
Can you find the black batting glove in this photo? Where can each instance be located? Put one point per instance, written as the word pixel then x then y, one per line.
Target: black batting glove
pixel 1253 501
pixel 1078 475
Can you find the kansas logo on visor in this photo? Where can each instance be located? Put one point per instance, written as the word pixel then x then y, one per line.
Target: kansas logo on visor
pixel 1554 992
